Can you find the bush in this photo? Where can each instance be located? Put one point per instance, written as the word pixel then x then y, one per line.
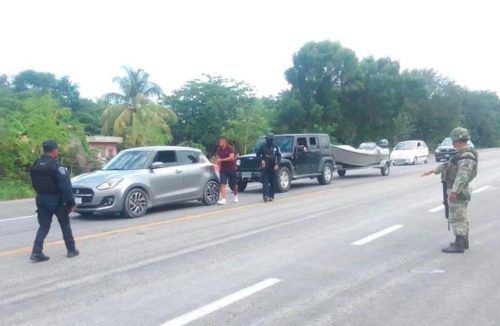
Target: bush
pixel 15 189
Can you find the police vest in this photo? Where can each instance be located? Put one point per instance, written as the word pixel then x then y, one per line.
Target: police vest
pixel 270 155
pixel 450 172
pixel 43 178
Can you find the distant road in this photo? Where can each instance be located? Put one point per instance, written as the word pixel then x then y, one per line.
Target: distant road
pixel 362 251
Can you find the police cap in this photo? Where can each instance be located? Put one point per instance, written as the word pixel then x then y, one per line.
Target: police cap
pixel 49 146
pixel 270 136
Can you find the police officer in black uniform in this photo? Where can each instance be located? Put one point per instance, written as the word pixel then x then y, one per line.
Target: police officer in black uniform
pixel 269 156
pixel 54 195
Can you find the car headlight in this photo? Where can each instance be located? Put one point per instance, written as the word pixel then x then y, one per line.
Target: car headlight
pixel 109 184
pixel 238 162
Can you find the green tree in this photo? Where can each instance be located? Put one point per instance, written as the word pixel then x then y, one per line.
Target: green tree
pixel 133 115
pixel 322 77
pixel 250 123
pixel 62 89
pixel 205 106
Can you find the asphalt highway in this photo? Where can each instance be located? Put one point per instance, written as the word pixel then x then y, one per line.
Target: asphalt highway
pixel 362 251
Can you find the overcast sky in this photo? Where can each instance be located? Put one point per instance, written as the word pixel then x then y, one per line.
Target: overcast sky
pixel 253 41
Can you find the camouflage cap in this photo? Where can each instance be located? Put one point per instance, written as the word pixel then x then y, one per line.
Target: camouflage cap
pixel 460 134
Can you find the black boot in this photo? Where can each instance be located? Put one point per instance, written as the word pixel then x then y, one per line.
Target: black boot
pixel 457 248
pixel 73 253
pixel 38 257
pixel 466 242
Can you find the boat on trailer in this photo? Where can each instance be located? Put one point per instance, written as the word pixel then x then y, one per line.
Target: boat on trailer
pixel 367 155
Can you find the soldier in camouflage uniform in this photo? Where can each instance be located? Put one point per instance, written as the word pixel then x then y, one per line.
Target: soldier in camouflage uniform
pixel 458 173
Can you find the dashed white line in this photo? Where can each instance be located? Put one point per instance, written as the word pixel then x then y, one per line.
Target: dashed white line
pixel 16 218
pixel 377 235
pixel 436 209
pixel 481 189
pixel 221 303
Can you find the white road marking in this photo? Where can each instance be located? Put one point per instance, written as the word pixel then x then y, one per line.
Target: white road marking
pixel 432 271
pixel 436 209
pixel 376 235
pixel 221 303
pixel 16 218
pixel 481 189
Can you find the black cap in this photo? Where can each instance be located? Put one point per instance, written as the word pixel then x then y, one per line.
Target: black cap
pixel 269 136
pixel 49 146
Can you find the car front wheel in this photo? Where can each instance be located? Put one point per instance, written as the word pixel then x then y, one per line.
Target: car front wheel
pixel 284 179
pixel 211 193
pixel 136 203
pixel 326 175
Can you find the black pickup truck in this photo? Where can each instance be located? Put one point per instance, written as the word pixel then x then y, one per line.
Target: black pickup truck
pixel 303 156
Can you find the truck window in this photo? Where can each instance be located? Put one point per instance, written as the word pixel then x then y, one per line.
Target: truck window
pixel 324 142
pixel 313 143
pixel 302 141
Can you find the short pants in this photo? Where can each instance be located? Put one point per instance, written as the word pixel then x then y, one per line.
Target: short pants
pixel 228 176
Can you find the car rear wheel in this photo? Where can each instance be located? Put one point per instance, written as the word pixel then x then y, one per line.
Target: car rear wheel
pixel 326 175
pixel 341 173
pixel 426 159
pixel 136 203
pixel 211 193
pixel 284 179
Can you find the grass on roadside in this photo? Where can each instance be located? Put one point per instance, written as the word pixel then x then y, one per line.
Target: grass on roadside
pixel 15 189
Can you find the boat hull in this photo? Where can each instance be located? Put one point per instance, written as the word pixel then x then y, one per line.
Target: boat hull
pixel 350 157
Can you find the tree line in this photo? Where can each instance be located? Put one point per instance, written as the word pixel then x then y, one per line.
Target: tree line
pixel 331 91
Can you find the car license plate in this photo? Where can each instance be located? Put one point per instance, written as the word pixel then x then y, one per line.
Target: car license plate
pixel 246 175
pixel 78 200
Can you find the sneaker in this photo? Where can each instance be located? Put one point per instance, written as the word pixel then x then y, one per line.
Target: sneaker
pixel 236 199
pixel 271 198
pixel 39 257
pixel 222 202
pixel 73 253
pixel 266 199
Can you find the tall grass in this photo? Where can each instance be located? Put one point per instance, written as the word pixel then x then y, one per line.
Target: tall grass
pixel 15 189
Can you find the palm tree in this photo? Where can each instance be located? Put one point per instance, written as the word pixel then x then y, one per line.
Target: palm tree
pixel 133 113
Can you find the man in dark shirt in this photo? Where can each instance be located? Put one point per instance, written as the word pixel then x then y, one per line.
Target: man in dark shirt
pixel 226 159
pixel 269 156
pixel 54 195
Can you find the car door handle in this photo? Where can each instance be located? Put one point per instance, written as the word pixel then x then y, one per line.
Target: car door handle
pixel 178 171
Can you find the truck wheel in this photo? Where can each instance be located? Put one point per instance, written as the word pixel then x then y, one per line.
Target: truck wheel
pixel 341 173
pixel 136 203
pixel 242 185
pixel 326 175
pixel 284 179
pixel 386 169
pixel 211 193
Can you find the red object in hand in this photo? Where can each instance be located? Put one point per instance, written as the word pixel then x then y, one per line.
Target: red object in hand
pixel 453 197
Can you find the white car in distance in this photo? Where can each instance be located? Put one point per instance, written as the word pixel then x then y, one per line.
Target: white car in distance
pixel 410 152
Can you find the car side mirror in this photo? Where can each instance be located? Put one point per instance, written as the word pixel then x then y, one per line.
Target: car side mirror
pixel 156 165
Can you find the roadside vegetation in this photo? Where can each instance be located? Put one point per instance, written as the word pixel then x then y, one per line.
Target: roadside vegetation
pixel 331 90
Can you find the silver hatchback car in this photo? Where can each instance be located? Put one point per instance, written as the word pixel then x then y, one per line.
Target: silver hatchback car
pixel 140 178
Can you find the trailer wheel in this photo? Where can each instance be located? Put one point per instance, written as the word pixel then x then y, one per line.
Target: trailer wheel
pixel 386 169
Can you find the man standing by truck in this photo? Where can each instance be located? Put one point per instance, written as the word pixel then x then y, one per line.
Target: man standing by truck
pixel 269 156
pixel 226 157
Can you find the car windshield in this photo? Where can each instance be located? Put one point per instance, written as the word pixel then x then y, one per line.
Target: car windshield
pixel 284 143
pixel 129 160
pixel 447 142
pixel 406 146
